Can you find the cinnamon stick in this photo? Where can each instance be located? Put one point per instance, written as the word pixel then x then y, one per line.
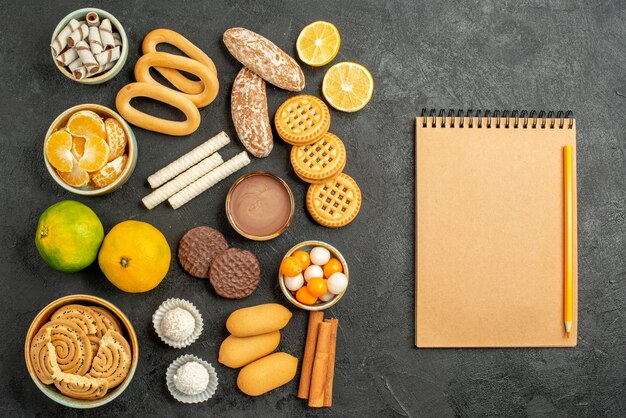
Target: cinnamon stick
pixel 320 366
pixel 315 318
pixel 328 389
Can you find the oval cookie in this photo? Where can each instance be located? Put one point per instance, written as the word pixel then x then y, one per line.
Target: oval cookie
pixel 264 58
pixel 248 107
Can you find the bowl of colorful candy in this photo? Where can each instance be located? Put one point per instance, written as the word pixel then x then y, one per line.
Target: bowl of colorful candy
pixel 313 275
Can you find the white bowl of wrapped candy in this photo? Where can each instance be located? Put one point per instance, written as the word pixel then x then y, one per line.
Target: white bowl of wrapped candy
pixel 89 46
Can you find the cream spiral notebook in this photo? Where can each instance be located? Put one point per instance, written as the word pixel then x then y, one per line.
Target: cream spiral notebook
pixel 489 229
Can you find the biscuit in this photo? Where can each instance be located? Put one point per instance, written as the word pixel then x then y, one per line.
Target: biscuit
pixel 113 359
pixel 236 352
pixel 80 387
pixel 264 58
pixel 334 203
pixel 319 161
pixel 107 319
pixel 72 346
pixel 235 273
pixel 302 120
pixel 257 320
pixel 248 108
pixel 80 315
pixel 267 374
pixel 197 249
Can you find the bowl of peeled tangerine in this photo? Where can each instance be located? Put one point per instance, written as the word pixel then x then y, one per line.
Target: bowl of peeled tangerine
pixel 90 150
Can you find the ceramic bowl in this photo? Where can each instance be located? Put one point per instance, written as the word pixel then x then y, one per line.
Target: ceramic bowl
pixel 129 333
pixel 89 190
pixel 307 246
pixel 117 27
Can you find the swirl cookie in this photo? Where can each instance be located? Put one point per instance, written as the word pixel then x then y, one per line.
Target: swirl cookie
pixel 108 321
pixel 319 161
pixel 197 249
pixel 302 120
pixel 43 357
pixel 235 273
pixel 72 346
pixel 334 203
pixel 80 387
pixel 80 315
pixel 113 359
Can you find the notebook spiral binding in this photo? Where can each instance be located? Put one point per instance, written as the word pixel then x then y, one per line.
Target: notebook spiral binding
pixel 504 119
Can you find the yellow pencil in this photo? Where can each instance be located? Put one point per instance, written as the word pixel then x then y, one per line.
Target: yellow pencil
pixel 568 262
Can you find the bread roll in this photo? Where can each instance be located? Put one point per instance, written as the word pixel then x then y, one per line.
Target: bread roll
pixel 236 352
pixel 267 374
pixel 259 319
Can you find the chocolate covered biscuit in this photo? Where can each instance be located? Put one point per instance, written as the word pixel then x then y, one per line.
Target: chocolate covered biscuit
pixel 197 249
pixel 235 273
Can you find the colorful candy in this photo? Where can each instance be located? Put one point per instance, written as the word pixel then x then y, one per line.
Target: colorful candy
pixel 294 283
pixel 337 283
pixel 319 256
pixel 313 271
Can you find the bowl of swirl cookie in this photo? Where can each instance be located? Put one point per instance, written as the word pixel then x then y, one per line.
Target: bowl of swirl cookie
pixel 81 351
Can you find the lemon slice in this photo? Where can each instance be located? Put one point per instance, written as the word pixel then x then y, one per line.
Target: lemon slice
pixel 318 43
pixel 348 86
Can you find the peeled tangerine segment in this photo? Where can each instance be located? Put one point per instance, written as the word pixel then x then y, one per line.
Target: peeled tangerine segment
pixel 86 123
pixel 78 146
pixel 77 177
pixel 96 154
pixel 109 172
pixel 58 151
pixel 116 138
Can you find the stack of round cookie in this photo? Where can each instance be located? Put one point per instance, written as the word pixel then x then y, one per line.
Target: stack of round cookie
pixel 318 157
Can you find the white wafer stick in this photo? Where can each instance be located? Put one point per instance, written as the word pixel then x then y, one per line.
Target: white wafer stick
pixel 75 64
pixel 95 44
pixel 183 180
pixel 209 180
pixel 108 56
pixel 60 42
pixel 79 73
pixel 86 56
pixel 78 35
pixel 117 39
pixel 103 68
pixel 68 56
pixel 92 19
pixel 192 157
pixel 106 34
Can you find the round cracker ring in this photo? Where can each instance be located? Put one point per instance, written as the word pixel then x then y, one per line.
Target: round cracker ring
pixel 81 315
pixel 163 59
pixel 153 123
pixel 178 80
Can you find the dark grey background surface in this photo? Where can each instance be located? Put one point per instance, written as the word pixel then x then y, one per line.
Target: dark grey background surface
pixel 483 54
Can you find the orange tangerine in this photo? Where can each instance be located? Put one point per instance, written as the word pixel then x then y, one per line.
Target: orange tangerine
pixel 304 296
pixel 77 177
pixel 78 146
pixel 304 258
pixel 291 266
pixel 96 154
pixel 86 123
pixel 107 174
pixel 333 266
pixel 58 151
pixel 116 138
